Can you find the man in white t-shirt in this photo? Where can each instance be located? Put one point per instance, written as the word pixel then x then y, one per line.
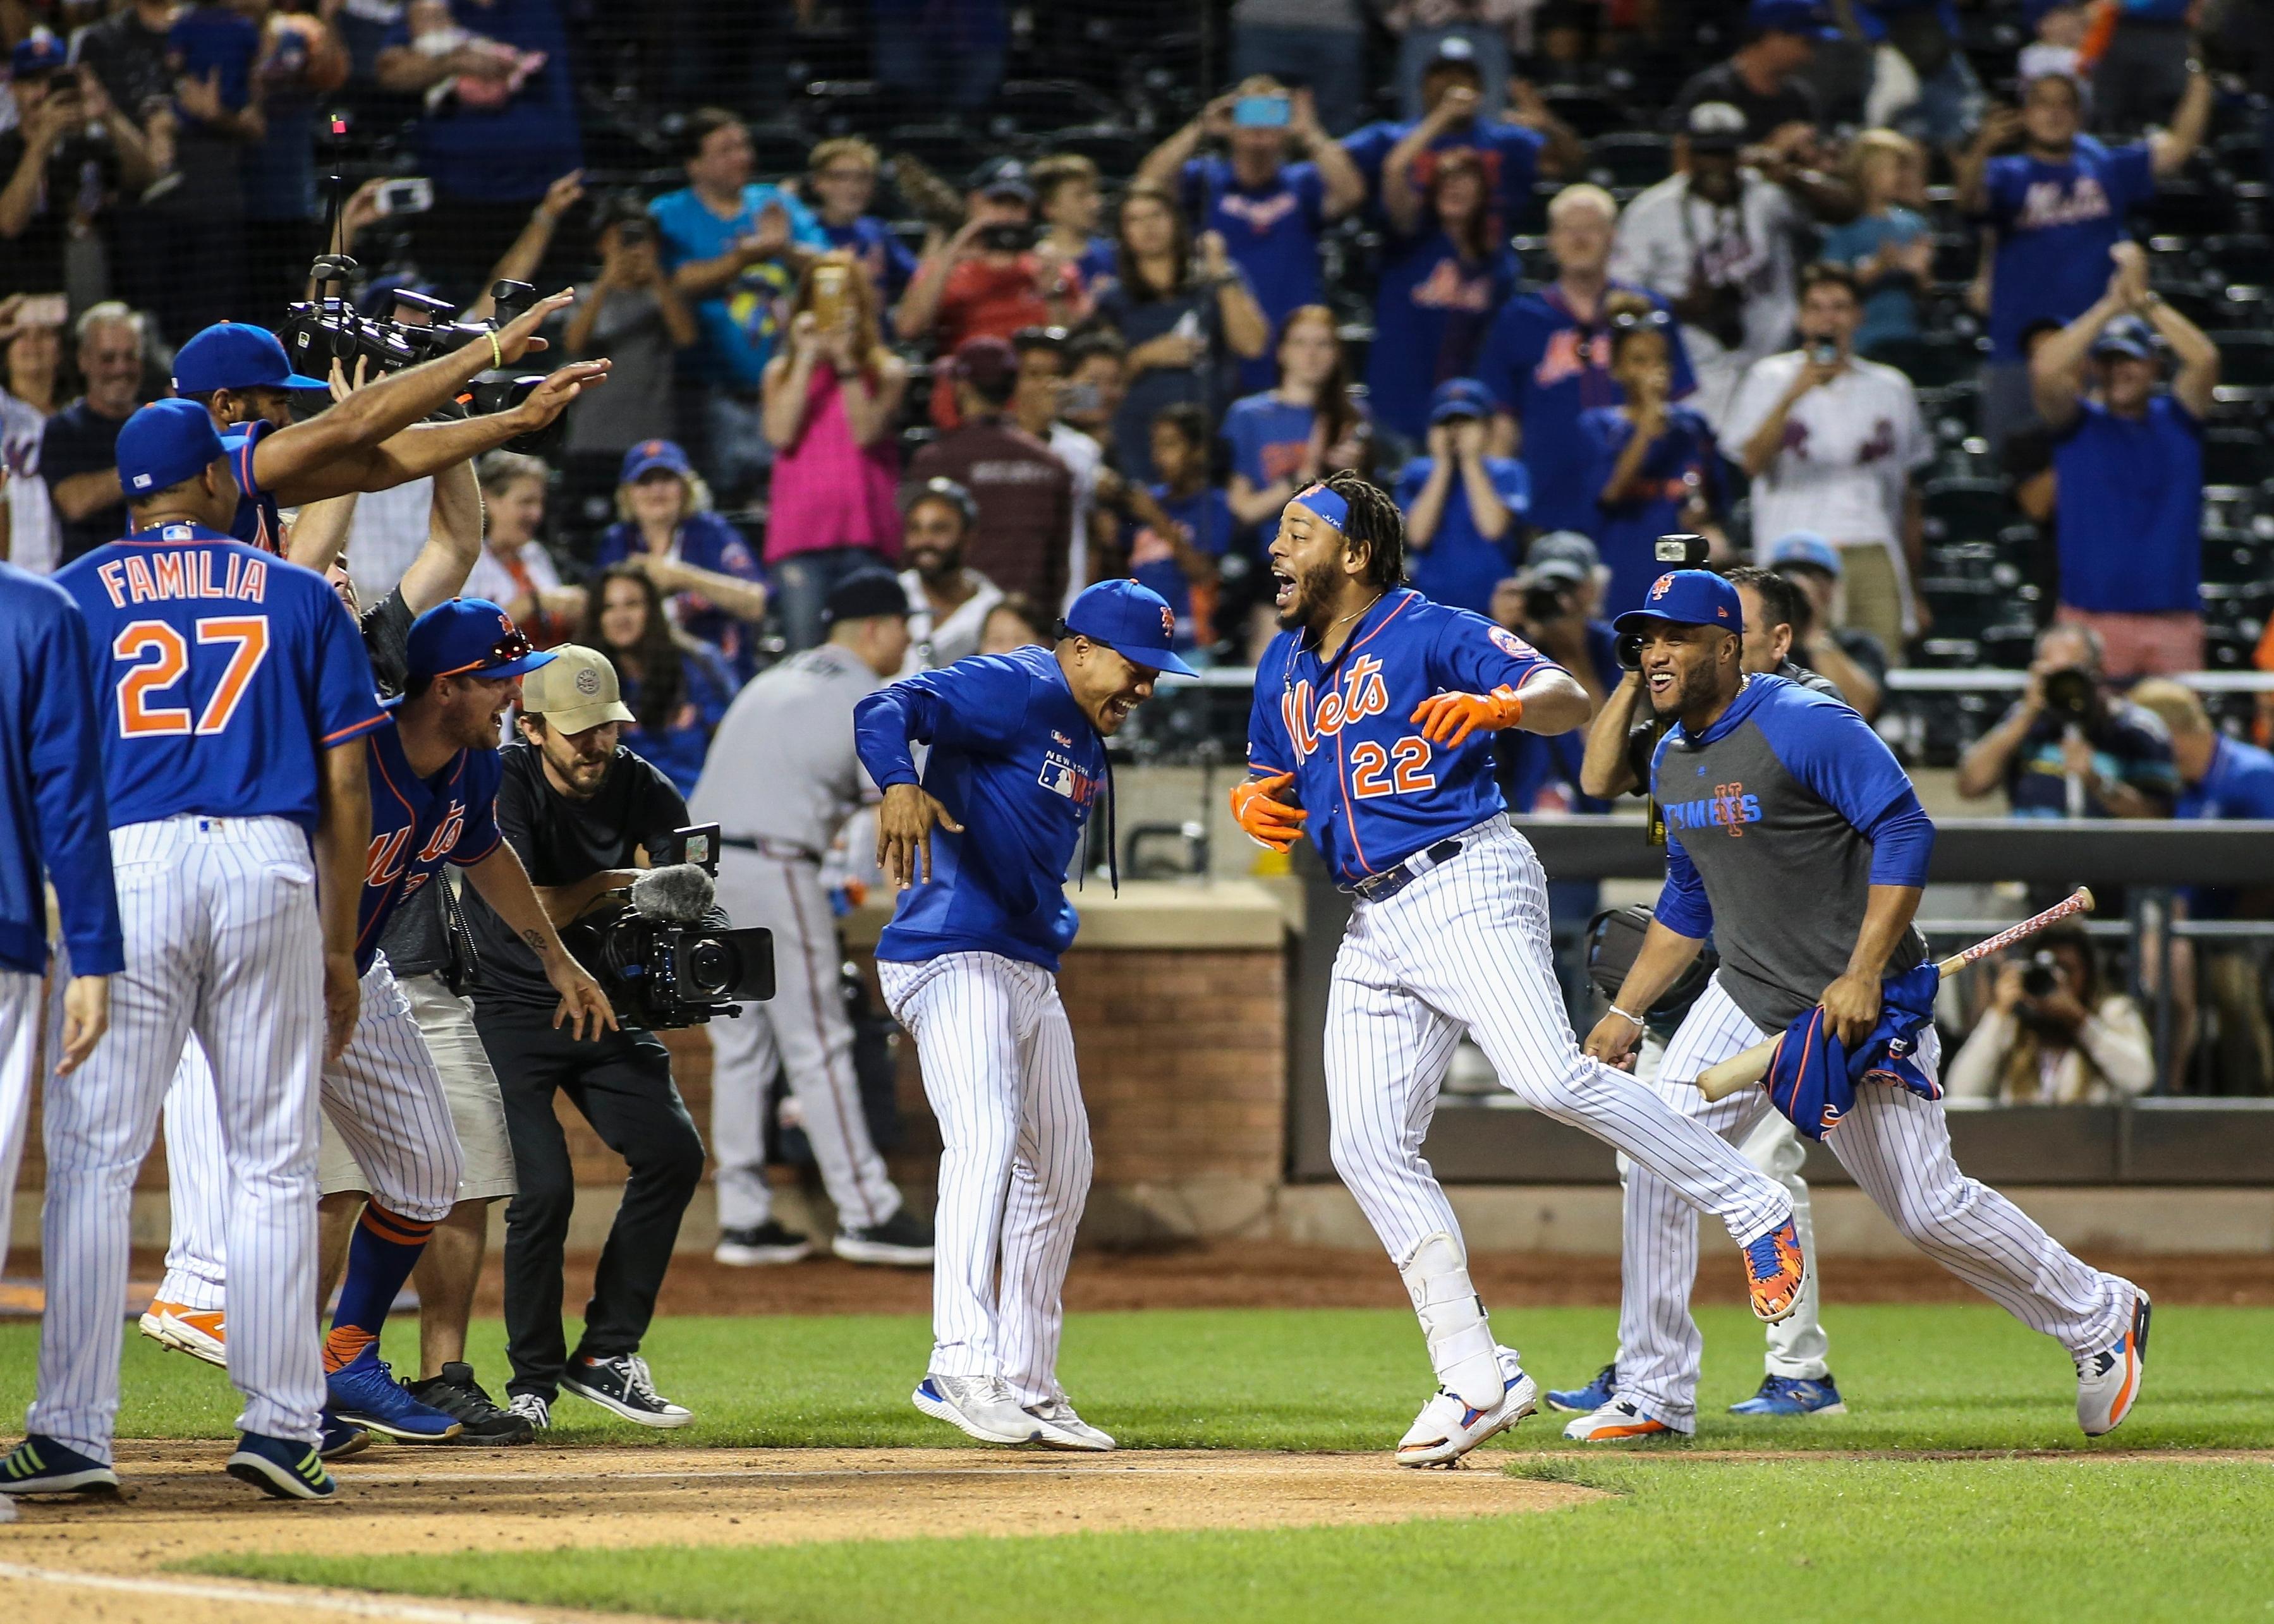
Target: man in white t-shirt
pixel 947 604
pixel 1717 245
pixel 1832 443
pixel 30 537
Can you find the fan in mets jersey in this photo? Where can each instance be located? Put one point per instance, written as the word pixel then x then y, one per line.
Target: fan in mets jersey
pixel 1373 708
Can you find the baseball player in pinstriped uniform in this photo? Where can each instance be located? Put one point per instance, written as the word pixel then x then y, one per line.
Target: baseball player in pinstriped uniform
pixel 53 819
pixel 236 695
pixel 969 963
pixel 1372 704
pixel 1772 792
pixel 780 780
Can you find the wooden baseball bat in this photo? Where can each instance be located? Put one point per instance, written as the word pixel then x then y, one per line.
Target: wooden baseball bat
pixel 1723 1079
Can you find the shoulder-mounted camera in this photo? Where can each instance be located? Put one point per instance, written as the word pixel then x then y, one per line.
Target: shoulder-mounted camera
pixel 669 957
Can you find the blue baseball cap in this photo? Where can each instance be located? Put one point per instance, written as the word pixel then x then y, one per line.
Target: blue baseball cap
pixel 38 52
pixel 1805 547
pixel 1135 621
pixel 2129 336
pixel 236 355
pixel 1459 397
pixel 1687 598
pixel 650 455
pixel 469 636
pixel 163 444
pixel 1800 17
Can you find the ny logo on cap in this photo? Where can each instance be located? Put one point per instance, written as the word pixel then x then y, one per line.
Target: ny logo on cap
pixel 1661 586
pixel 1167 622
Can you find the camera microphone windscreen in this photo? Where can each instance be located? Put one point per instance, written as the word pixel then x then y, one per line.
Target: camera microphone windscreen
pixel 679 894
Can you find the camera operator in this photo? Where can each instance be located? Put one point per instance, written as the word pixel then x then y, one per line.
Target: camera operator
pixel 373 437
pixel 2070 747
pixel 2051 1035
pixel 1625 730
pixel 584 813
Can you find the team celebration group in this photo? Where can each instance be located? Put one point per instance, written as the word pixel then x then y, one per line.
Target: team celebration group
pixel 243 785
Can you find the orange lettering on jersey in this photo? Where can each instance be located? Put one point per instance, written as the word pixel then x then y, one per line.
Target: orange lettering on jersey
pixel 384 866
pixel 139 586
pixel 446 836
pixel 1362 695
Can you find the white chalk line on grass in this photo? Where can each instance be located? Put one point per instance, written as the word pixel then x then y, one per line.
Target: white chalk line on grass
pixel 356 1606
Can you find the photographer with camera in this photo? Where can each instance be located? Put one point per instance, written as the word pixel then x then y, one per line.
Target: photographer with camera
pixel 2070 747
pixel 1463 506
pixel 375 437
pixel 585 815
pixel 69 145
pixel 2052 1035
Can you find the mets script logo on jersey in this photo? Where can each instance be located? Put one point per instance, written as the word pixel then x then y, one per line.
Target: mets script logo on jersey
pixel 2051 203
pixel 1362 695
pixel 1729 807
pixel 1571 353
pixel 1061 777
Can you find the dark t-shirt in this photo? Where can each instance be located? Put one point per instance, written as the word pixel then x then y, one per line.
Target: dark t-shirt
pixel 78 440
pixel 416 941
pixel 561 841
pixel 1790 102
pixel 32 261
pixel 131 61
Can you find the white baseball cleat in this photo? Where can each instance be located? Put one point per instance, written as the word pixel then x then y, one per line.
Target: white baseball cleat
pixel 201 1333
pixel 1620 1419
pixel 2108 1381
pixel 1065 1430
pixel 1450 1426
pixel 981 1406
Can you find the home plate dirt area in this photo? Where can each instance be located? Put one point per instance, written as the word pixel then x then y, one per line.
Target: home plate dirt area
pixel 177 1507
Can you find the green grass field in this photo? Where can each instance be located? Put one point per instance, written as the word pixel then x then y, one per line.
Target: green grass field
pixel 1974 1531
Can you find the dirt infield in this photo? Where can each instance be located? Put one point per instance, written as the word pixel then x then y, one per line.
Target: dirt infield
pixel 178 1505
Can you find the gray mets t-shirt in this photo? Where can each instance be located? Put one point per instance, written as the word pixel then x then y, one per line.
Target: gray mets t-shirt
pixel 1780 819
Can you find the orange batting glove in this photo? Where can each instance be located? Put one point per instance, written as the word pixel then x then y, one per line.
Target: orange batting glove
pixel 1448 718
pixel 1268 820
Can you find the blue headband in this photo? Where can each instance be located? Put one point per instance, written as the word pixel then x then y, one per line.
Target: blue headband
pixel 1327 505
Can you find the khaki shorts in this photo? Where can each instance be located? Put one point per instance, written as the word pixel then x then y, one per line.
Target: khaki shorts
pixel 447 1022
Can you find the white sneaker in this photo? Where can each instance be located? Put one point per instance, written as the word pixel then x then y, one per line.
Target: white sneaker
pixel 1620 1419
pixel 1448 1428
pixel 532 1409
pixel 2108 1381
pixel 979 1405
pixel 1065 1430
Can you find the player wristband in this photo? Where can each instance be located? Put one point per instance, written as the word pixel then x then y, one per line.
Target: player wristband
pixel 1634 1020
pixel 497 354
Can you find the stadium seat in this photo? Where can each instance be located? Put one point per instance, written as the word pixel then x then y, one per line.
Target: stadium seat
pixel 1931 361
pixel 2246 256
pixel 2246 363
pixel 2188 207
pixel 1957 255
pixel 1965 509
pixel 2236 457
pixel 2235 556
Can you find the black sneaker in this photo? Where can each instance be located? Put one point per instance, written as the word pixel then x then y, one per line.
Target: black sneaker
pixel 623 1383
pixel 902 1239
pixel 770 1242
pixel 457 1393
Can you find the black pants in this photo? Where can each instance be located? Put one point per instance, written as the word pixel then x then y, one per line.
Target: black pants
pixel 622 1085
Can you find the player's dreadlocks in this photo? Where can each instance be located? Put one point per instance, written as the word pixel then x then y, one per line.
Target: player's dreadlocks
pixel 1376 521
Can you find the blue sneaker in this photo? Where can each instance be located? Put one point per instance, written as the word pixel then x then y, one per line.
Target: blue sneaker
pixel 364 1393
pixel 340 1439
pixel 281 1467
pixel 40 1465
pixel 1789 1395
pixel 1587 1400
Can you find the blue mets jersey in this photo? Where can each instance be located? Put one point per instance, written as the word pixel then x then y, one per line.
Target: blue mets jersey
pixel 52 815
pixel 258 522
pixel 417 826
pixel 1016 762
pixel 1377 790
pixel 221 676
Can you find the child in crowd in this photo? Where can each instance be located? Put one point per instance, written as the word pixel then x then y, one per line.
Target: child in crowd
pixel 1654 469
pixel 1184 525
pixel 1887 245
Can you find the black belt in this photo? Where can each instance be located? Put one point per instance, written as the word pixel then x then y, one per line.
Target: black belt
pixel 781 851
pixel 1390 882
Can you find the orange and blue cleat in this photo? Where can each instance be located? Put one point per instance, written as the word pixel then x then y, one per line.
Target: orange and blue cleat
pixel 1776 1272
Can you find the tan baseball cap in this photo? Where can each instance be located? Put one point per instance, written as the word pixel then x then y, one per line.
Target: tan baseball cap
pixel 574 691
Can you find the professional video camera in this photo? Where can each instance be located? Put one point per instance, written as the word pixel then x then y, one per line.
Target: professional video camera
pixel 318 331
pixel 669 957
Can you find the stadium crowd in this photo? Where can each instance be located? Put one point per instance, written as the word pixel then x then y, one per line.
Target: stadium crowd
pixel 1952 319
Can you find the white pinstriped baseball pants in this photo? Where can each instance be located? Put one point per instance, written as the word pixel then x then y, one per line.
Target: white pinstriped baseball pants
pixel 1798 1346
pixel 222 942
pixel 1465 947
pixel 803 1028
pixel 19 1057
pixel 1896 1145
pixel 383 1096
pixel 999 1068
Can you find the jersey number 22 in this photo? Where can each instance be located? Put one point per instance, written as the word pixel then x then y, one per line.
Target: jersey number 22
pixel 1373 775
pixel 165 659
